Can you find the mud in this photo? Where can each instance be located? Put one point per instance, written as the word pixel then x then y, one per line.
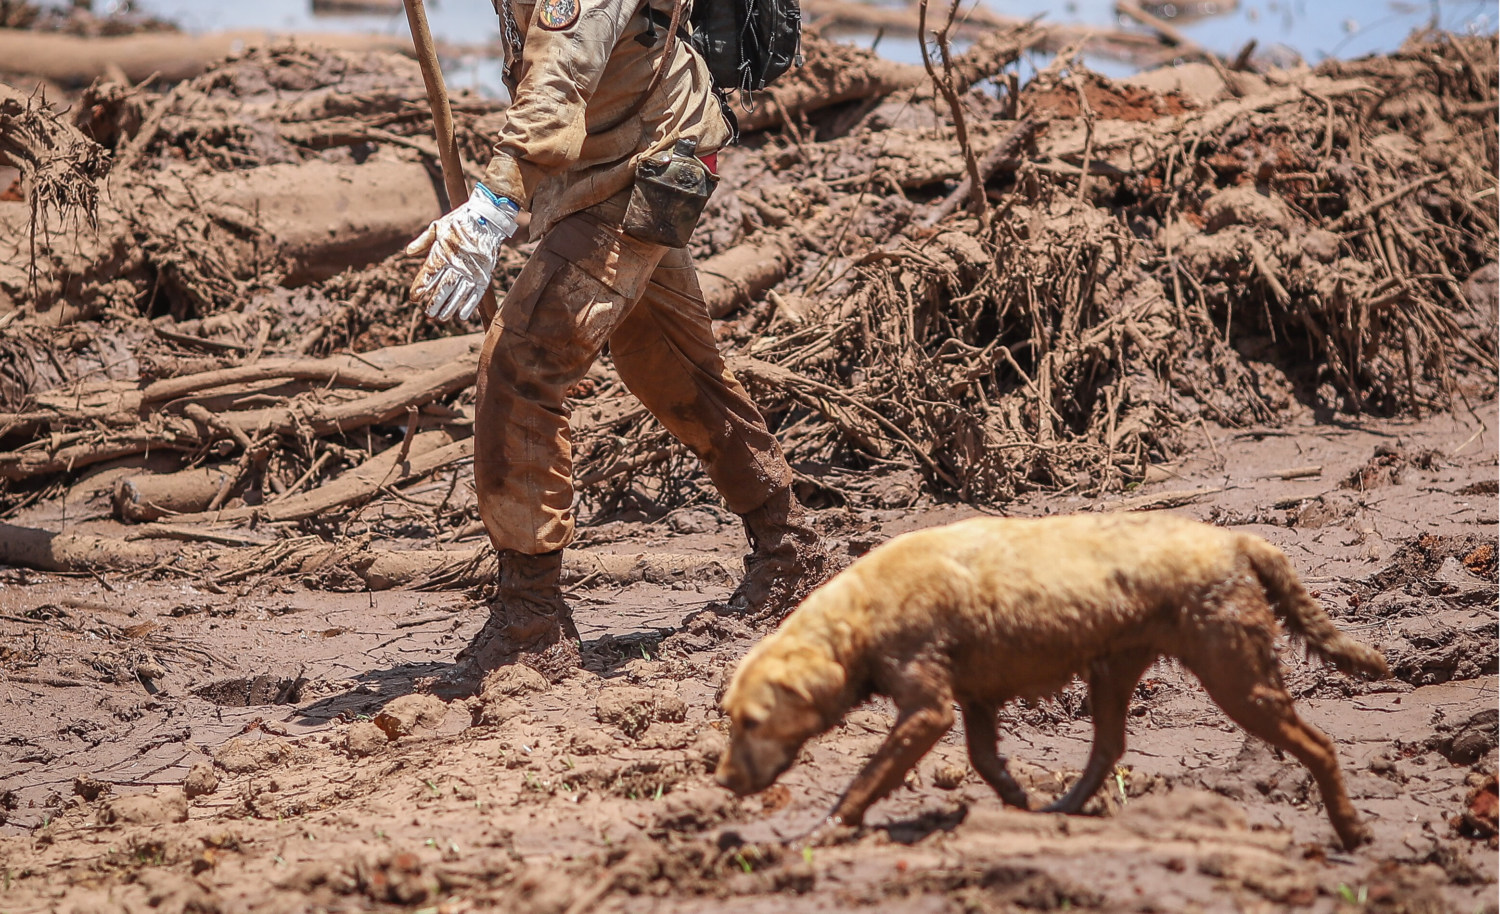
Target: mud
pixel 596 791
pixel 1264 299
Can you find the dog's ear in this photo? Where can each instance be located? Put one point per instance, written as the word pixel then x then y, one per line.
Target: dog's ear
pixel 814 677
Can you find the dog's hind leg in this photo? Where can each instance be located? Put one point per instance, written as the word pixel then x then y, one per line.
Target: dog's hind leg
pixel 980 734
pixel 1112 681
pixel 1243 677
pixel 923 719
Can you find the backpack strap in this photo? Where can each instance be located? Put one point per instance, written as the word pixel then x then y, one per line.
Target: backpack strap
pixel 661 65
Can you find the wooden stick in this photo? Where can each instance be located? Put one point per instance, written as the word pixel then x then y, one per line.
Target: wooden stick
pixel 442 122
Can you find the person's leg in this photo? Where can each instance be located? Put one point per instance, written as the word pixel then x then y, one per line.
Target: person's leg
pixel 666 354
pixel 579 284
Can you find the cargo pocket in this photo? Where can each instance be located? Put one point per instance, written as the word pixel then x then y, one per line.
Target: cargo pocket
pixel 588 278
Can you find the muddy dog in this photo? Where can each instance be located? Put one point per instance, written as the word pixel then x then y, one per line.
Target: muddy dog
pixel 988 610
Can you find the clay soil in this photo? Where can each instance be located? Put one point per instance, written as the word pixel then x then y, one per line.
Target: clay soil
pixel 1264 299
pixel 595 791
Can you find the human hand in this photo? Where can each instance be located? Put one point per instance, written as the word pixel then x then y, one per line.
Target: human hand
pixel 462 248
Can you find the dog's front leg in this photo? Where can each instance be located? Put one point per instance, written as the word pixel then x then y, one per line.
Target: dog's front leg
pixel 916 731
pixel 981 736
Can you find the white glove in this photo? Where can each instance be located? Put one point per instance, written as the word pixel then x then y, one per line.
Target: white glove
pixel 462 248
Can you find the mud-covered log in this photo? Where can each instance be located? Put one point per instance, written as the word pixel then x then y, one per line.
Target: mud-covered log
pixel 29 547
pixel 385 569
pixel 151 496
pixel 74 60
pixel 171 432
pixel 838 73
pixel 738 276
pixel 428 452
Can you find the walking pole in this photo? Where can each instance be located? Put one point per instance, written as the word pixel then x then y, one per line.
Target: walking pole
pixel 442 122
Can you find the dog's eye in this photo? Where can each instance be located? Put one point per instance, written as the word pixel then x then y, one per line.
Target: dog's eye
pixel 749 724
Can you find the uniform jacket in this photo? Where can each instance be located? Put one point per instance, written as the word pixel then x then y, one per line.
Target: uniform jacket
pixel 569 140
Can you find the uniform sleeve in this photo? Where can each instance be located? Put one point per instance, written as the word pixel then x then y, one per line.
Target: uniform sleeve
pixel 561 67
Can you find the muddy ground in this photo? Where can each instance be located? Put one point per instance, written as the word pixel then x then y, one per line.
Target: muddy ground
pixel 595 792
pixel 237 533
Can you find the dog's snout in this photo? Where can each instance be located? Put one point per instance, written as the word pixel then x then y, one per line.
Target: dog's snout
pixel 732 778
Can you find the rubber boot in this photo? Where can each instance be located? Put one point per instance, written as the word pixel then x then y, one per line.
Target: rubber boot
pixel 529 621
pixel 787 559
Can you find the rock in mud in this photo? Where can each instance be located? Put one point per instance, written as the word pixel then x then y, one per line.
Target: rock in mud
pixel 948 777
pixel 243 756
pixel 160 808
pixel 201 780
pixel 398 878
pixel 89 787
pixel 409 713
pixel 1471 740
pixel 633 709
pixel 364 739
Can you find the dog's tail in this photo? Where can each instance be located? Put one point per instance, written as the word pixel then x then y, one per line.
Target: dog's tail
pixel 1304 617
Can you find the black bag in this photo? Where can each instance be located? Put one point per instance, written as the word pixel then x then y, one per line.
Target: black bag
pixel 747 43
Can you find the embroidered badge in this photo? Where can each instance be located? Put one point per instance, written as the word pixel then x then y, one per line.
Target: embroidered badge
pixel 556 15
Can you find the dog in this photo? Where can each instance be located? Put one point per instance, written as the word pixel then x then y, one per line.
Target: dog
pixel 988 610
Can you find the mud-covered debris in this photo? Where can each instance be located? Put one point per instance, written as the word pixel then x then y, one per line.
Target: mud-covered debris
pixel 1245 206
pixel 201 780
pixel 1387 467
pixel 512 681
pixel 252 691
pixel 90 787
pixel 633 709
pixel 1481 813
pixel 949 777
pixel 363 739
pixel 1322 511
pixel 1419 560
pixel 399 878
pixel 245 756
pixel 1468 742
pixel 403 716
pixel 159 808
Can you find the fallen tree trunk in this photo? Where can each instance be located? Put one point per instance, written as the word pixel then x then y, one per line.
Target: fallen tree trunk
pixel 379 569
pixel 429 452
pixel 736 277
pixel 846 16
pixel 176 433
pixel 433 569
pixel 838 73
pixel 151 496
pixel 28 547
pixel 121 403
pixel 76 61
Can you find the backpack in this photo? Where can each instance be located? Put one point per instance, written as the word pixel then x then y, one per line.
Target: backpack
pixel 747 43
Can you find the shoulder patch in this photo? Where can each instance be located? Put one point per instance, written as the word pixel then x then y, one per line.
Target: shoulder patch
pixel 556 15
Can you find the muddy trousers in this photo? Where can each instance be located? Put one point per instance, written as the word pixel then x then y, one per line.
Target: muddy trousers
pixel 587 284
